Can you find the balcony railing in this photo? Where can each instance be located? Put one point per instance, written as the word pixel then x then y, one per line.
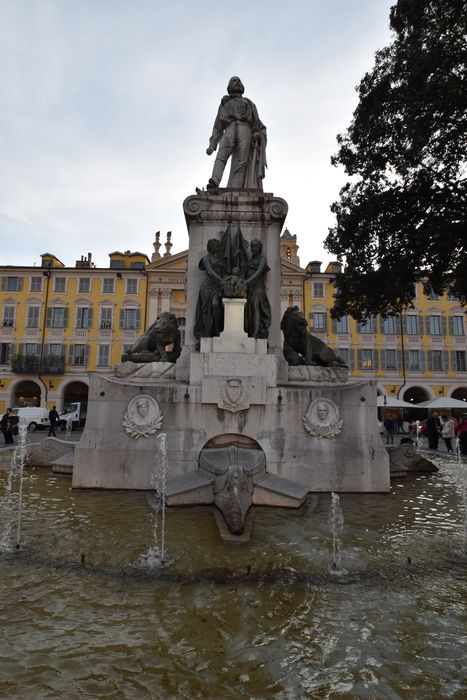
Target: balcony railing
pixel 31 364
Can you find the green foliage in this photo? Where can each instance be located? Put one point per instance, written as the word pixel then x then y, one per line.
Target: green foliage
pixel 401 217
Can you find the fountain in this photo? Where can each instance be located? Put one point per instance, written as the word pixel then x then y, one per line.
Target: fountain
pixel 256 411
pixel 233 425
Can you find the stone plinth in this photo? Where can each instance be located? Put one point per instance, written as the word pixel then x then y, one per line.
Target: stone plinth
pixel 345 453
pixel 259 215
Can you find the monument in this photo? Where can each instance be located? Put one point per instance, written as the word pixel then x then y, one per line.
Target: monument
pixel 253 414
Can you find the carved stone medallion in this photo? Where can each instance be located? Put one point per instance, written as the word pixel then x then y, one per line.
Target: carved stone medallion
pixel 234 395
pixel 142 417
pixel 322 419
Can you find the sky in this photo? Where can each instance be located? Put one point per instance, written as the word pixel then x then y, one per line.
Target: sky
pixel 107 106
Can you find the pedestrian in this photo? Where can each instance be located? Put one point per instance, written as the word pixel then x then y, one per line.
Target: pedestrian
pixel 433 431
pixel 461 432
pixel 389 427
pixel 53 418
pixel 448 432
pixel 6 426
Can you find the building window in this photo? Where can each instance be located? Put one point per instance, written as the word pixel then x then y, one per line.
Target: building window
pixel 367 326
pixel 412 324
pixel 367 359
pixel 434 325
pixel 103 357
pixel 56 349
pixel 342 325
pixel 318 290
pixel 59 284
pixel 57 317
pixel 137 265
pixel 129 319
pixel 33 317
pixel 84 285
pixel 8 316
pixel 83 317
pixel 432 296
pixel 36 284
pixel 12 284
pixel 108 285
pixel 458 325
pixel 5 353
pixel 78 355
pixel 116 264
pixel 460 361
pixel 319 321
pixel 132 286
pixel 436 360
pixel 31 349
pixel 343 353
pixel 389 325
pixel 106 317
pixel 414 359
pixel 390 359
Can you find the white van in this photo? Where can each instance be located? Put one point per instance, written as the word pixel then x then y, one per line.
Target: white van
pixel 36 417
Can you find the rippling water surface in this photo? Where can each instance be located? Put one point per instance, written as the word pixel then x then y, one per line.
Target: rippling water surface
pixel 81 618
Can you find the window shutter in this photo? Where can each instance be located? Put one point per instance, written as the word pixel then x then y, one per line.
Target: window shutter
pixel 48 318
pixel 21 349
pixel 373 324
pixel 138 318
pixel 443 325
pixel 430 359
pixel 360 359
pixel 399 359
pixel 351 358
pixel 20 284
pixel 406 360
pixel 426 322
pixel 71 351
pixel 404 324
pixel 383 359
pixel 375 359
pixel 122 318
pixel 90 318
pixel 422 357
pixel 451 325
pixel 445 361
pixel 334 325
pixel 65 318
pixel 4 284
pixel 86 354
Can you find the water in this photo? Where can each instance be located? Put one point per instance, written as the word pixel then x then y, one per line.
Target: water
pixel 13 501
pixel 264 619
pixel 156 556
pixel 336 525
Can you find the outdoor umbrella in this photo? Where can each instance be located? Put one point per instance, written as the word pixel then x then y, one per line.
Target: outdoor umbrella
pixel 443 402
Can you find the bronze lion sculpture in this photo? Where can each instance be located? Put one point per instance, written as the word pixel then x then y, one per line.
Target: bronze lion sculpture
pixel 152 345
pixel 302 348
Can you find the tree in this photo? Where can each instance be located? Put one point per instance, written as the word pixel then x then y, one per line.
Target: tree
pixel 401 218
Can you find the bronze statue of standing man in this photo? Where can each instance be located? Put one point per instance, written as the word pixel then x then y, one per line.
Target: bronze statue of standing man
pixel 241 136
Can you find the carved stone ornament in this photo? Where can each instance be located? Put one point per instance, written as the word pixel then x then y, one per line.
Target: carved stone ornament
pixel 234 395
pixel 322 420
pixel 143 417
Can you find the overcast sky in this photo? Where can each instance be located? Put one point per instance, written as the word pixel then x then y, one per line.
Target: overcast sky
pixel 106 108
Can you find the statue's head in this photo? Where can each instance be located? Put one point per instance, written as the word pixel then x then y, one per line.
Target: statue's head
pixel 235 86
pixel 323 411
pixel 142 406
pixel 256 246
pixel 213 245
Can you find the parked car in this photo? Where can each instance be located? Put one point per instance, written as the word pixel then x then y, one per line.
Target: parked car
pixel 74 416
pixel 36 417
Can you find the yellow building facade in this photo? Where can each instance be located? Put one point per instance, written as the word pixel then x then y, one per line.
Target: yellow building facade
pixel 419 357
pixel 60 323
